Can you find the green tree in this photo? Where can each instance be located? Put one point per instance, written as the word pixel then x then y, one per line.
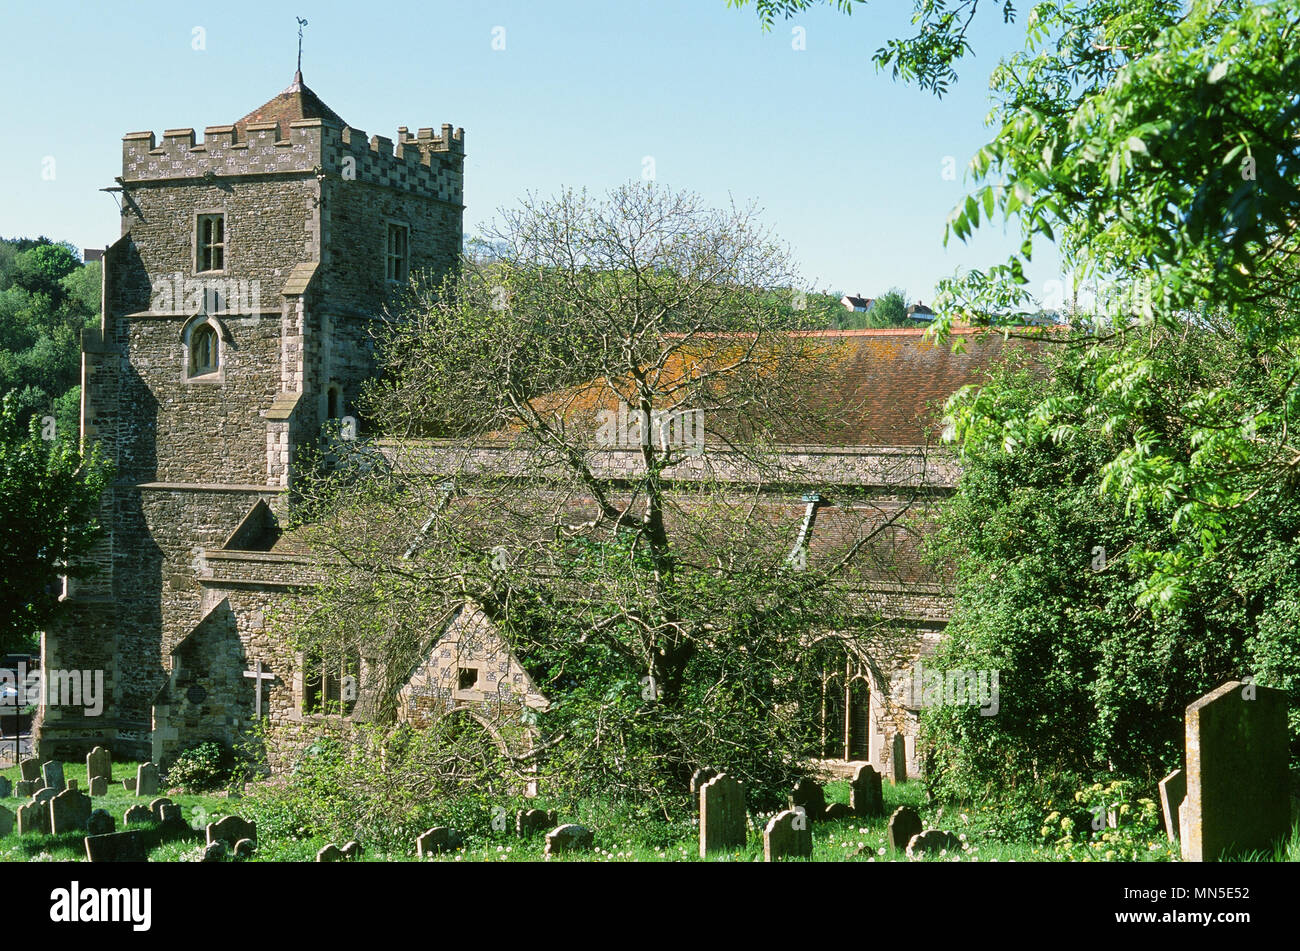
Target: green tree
pixel 889 310
pixel 49 507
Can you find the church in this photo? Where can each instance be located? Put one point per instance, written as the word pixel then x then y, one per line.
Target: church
pixel 237 310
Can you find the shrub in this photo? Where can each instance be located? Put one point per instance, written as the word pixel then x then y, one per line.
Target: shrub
pixel 199 768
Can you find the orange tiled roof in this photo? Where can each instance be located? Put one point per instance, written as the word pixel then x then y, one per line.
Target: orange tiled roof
pixel 296 102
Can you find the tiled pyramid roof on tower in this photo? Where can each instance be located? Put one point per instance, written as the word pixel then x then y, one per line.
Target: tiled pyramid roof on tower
pixel 296 102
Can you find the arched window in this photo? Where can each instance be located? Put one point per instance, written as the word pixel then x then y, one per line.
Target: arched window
pixel 203 350
pixel 334 402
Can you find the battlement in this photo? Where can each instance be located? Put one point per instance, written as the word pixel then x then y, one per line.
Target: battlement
pixel 425 163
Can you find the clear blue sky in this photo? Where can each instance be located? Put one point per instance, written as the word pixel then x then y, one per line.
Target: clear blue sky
pixel 845 163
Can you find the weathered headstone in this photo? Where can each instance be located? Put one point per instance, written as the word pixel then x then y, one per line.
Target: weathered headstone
pixel 836 810
pixel 6 788
pixel 44 795
pixel 156 807
pixel 698 779
pixel 933 841
pixel 117 847
pixel 866 794
pixel 52 774
pixel 1173 790
pixel 352 851
pixel 787 836
pixel 722 815
pixel 146 780
pixel 31 769
pixel 1238 794
pixel 438 839
pixel 100 823
pixel 129 784
pixel 809 796
pixel 33 817
pixel 903 824
pixel 898 760
pixel 243 850
pixel 99 762
pixel 231 829
pixel 72 784
pixel 69 811
pixel 568 838
pixel 528 821
pixel 137 815
pixel 329 853
pixel 172 818
pixel 214 852
pixel 99 786
pixel 7 821
pixel 26 787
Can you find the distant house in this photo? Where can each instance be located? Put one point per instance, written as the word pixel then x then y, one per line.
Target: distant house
pixel 919 312
pixel 859 303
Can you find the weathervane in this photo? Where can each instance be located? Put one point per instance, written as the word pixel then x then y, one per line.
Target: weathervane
pixel 301 24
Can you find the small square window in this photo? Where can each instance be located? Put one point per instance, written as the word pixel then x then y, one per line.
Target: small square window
pixel 211 243
pixel 468 678
pixel 399 252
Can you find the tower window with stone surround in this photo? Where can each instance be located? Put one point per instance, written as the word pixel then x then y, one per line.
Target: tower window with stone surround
pixel 211 243
pixel 203 351
pixel 399 252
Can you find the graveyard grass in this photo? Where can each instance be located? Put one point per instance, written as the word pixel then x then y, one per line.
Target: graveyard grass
pixel 619 836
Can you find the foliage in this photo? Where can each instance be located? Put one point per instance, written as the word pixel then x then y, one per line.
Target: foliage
pixel 889 310
pixel 200 768
pixel 1108 822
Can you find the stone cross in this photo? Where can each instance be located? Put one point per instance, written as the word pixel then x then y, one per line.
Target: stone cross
pixel 258 675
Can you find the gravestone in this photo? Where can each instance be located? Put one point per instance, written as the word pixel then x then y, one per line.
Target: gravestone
pixel 146 780
pixel 787 836
pixel 352 851
pixel 26 787
pixel 866 794
pixel 117 847
pixel 44 795
pixel 898 760
pixel 69 811
pixel 903 824
pixel 72 784
pixel 698 779
pixel 99 762
pixel 6 788
pixel 156 807
pixel 243 851
pixel 329 853
pixel 438 839
pixel 722 815
pixel 52 774
pixel 7 821
pixel 1173 790
pixel 528 821
pixel 1238 795
pixel 33 817
pixel 932 842
pixel 100 823
pixel 214 852
pixel 137 815
pixel 809 796
pixel 129 784
pixel 31 769
pixel 568 838
pixel 99 786
pixel 172 819
pixel 231 829
pixel 836 810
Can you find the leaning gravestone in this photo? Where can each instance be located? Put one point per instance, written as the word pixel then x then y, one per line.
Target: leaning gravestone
pixel 1238 796
pixel 933 841
pixel 903 824
pixel 26 787
pixel 1173 790
pixel 787 836
pixel 722 815
pixel 99 762
pixel 352 850
pixel 7 820
pixel 243 850
pixel 898 760
pixel 6 789
pixel 146 780
pixel 698 779
pixel 809 796
pixel 438 839
pixel 568 838
pixel 865 793
pixel 52 773
pixel 69 811
pixel 129 784
pixel 117 847
pixel 100 823
pixel 231 829
pixel 31 769
pixel 329 853
pixel 528 821
pixel 33 817
pixel 137 815
pixel 99 786
pixel 835 811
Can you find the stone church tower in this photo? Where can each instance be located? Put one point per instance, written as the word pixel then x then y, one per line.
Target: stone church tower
pixel 237 311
